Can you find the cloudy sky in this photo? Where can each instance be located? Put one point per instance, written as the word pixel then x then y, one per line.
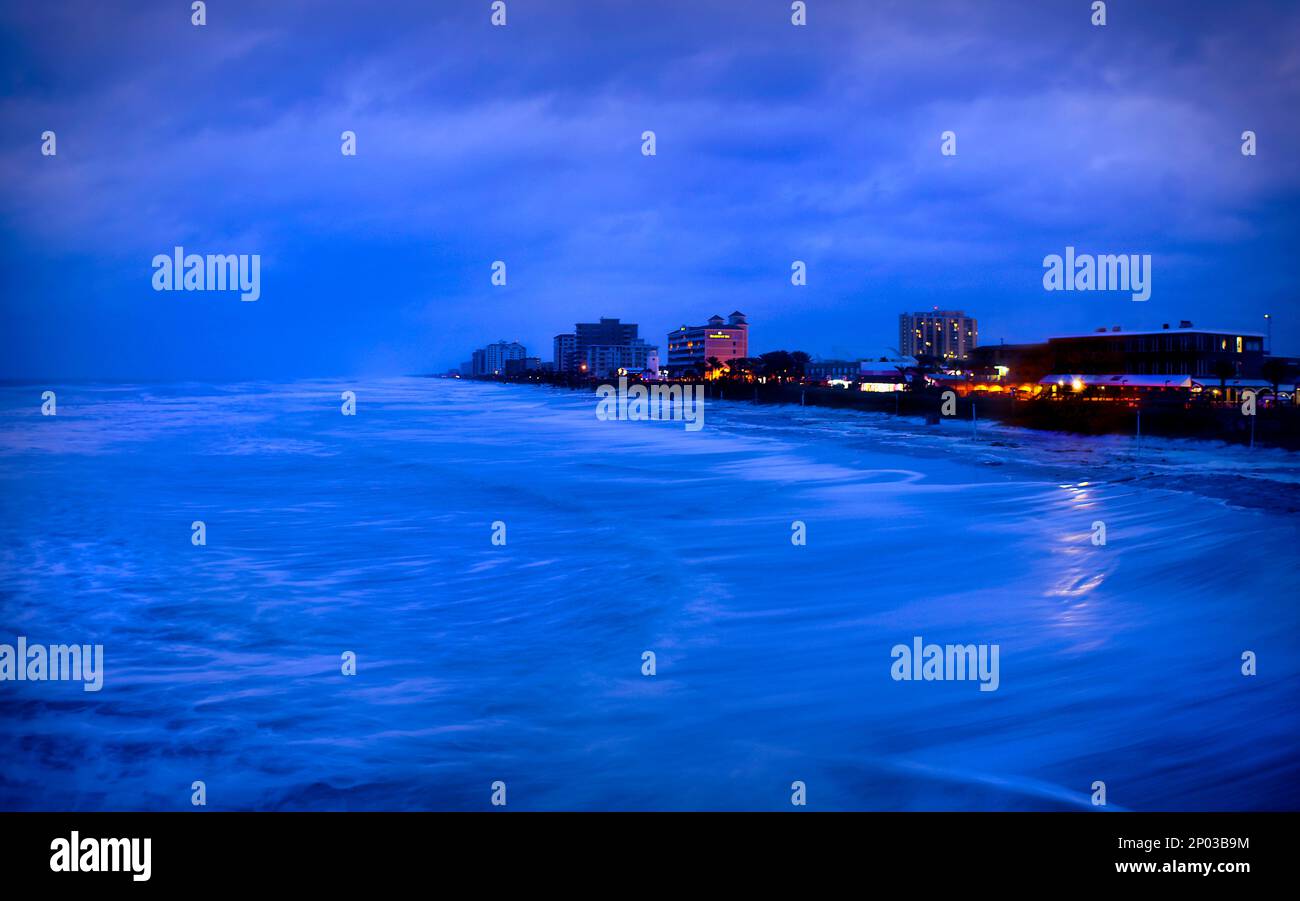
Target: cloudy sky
pixel 523 144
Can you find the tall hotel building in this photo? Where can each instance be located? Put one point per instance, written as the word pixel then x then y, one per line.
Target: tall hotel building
pixel 602 348
pixel 491 360
pixel 946 334
pixel 495 356
pixel 566 349
pixel 690 346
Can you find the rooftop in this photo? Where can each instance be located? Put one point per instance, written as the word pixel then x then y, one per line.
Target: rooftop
pixel 1162 331
pixel 1120 381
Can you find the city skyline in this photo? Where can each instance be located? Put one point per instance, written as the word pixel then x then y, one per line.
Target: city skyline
pixel 902 347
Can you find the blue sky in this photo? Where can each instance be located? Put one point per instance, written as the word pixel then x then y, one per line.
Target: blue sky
pixel 522 144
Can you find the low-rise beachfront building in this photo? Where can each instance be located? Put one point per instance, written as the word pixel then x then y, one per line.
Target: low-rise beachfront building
pixel 1014 366
pixel 886 370
pixel 823 371
pixel 1117 386
pixel 1125 386
pixel 1200 353
pixel 1113 363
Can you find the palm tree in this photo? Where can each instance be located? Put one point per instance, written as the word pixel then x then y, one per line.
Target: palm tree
pixel 777 364
pixel 741 367
pixel 1276 371
pixel 800 361
pixel 1224 370
pixel 925 364
pixel 714 366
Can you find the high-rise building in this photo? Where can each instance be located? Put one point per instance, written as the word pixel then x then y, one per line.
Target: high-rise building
pixel 691 346
pixel 945 334
pixel 604 360
pixel 602 348
pixel 496 355
pixel 566 348
pixel 522 365
pixel 608 332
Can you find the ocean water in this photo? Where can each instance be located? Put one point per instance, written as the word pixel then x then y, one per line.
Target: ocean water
pixel 522 663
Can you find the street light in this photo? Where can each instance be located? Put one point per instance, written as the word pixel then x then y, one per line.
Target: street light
pixel 1269 319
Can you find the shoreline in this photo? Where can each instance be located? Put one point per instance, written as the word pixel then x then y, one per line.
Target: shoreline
pixel 1273 427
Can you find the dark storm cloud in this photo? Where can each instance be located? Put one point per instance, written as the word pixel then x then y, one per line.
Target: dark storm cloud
pixel 523 144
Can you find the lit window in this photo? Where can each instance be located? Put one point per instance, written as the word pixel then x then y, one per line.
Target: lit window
pixel 1238 344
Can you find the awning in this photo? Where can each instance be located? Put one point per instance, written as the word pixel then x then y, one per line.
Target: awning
pixel 1118 381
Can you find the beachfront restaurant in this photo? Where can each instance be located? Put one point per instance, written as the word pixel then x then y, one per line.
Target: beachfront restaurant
pixel 1125 386
pixel 1233 389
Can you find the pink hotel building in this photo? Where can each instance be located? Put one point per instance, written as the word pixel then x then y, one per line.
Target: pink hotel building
pixel 690 347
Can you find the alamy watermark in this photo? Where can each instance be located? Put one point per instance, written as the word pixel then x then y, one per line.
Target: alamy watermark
pixel 75 854
pixel 183 271
pixel 946 663
pixel 673 402
pixel 54 663
pixel 1104 272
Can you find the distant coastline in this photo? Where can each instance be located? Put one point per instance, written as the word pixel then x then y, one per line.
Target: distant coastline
pixel 1273 426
